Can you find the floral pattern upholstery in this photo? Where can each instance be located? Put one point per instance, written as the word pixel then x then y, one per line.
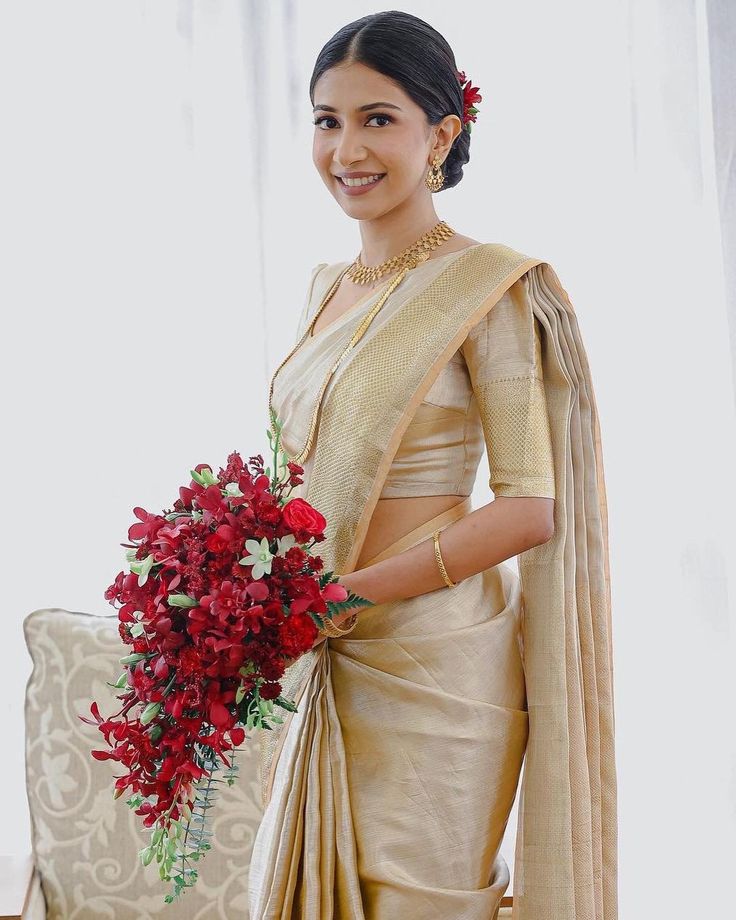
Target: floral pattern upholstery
pixel 85 843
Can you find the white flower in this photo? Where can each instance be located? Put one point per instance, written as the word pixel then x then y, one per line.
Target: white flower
pixel 285 543
pixel 260 557
pixel 142 568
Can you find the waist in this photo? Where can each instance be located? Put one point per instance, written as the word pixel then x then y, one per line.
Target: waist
pixel 421 532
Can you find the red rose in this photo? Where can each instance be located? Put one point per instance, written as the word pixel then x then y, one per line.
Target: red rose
pixel 300 515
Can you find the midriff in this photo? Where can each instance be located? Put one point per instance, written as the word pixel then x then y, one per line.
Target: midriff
pixel 394 517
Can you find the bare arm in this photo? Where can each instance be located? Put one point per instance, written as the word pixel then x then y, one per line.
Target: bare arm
pixel 479 540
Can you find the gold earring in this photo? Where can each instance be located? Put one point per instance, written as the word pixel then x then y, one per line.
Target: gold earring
pixel 434 180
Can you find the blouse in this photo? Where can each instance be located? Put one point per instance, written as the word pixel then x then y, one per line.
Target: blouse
pixel 490 393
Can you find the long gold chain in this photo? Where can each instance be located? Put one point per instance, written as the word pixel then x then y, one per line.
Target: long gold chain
pixel 355 338
pixel 411 257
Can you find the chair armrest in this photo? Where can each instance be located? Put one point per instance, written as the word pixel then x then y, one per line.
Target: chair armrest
pixel 20 894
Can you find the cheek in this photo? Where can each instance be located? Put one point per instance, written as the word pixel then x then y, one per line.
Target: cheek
pixel 320 150
pixel 404 151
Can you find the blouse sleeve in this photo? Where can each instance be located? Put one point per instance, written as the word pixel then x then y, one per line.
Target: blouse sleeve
pixel 503 356
pixel 305 314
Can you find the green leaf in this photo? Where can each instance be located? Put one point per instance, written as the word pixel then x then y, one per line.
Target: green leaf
pixel 134 658
pixel 286 703
pixel 150 713
pixel 196 477
pixel 181 600
pixel 146 855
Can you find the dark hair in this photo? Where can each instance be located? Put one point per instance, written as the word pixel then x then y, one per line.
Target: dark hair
pixel 413 54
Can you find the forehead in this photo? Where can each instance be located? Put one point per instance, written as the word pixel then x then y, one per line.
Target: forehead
pixel 350 85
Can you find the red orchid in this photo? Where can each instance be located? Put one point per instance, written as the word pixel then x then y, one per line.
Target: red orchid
pixel 470 97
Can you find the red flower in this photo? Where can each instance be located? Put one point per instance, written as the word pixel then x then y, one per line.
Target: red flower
pixel 335 592
pixel 299 515
pixel 237 736
pixel 149 528
pixel 270 691
pixel 206 643
pixel 470 97
pixel 297 634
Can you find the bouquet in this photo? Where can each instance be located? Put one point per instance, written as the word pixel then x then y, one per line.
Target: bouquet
pixel 222 594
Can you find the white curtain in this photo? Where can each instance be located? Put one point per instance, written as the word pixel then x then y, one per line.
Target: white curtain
pixel 160 214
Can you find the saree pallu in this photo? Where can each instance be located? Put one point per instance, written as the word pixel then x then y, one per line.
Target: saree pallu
pixel 389 789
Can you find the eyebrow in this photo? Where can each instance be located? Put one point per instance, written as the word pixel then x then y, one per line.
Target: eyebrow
pixel 361 108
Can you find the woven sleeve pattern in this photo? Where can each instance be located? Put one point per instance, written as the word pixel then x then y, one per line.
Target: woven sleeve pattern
pixel 503 355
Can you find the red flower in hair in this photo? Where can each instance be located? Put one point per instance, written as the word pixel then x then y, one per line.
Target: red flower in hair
pixel 470 97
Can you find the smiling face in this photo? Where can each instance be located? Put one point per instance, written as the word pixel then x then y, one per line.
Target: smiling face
pixel 392 139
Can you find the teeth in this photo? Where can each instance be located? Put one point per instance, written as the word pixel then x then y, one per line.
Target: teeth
pixel 366 180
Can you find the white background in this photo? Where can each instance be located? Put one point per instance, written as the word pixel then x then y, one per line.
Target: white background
pixel 160 215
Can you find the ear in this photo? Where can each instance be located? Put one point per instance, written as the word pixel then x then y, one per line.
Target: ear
pixel 445 133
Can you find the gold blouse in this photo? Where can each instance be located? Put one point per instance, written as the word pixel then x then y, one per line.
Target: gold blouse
pixel 490 392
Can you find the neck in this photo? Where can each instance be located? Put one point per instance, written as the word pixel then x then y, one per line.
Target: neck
pixel 386 236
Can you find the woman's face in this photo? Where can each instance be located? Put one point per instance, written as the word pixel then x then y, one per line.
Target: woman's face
pixel 392 139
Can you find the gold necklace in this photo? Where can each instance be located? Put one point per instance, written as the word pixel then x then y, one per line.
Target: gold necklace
pixel 406 260
pixel 416 253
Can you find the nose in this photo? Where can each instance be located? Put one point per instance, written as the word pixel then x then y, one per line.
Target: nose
pixel 349 149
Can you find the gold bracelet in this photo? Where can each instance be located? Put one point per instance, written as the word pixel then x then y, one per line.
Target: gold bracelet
pixel 440 563
pixel 334 631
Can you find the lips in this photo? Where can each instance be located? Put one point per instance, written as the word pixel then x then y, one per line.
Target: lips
pixel 340 180
pixel 354 191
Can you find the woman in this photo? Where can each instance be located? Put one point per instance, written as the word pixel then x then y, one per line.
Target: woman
pixel 388 792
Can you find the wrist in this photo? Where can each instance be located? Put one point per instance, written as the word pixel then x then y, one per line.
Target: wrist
pixel 357 583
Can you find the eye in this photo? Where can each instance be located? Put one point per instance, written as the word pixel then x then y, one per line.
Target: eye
pixel 318 121
pixel 325 118
pixel 387 117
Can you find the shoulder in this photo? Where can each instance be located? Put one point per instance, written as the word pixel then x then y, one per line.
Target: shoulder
pixel 496 251
pixel 318 271
pixel 508 327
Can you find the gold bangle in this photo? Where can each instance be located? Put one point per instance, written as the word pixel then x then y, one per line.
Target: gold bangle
pixel 334 631
pixel 440 563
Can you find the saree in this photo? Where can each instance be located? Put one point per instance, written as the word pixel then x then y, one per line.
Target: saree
pixel 389 790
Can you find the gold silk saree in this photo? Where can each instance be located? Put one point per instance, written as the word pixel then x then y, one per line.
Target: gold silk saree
pixel 388 792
